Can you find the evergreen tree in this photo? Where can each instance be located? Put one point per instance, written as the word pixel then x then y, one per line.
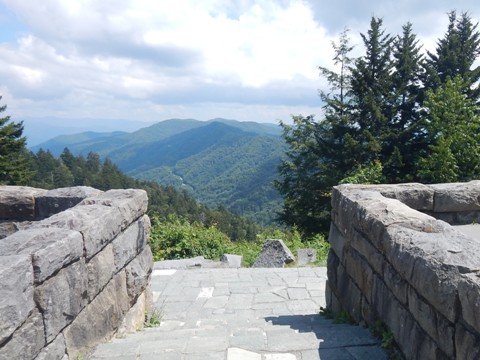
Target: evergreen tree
pixel 452 128
pixel 13 154
pixel 454 55
pixel 371 84
pixel 404 140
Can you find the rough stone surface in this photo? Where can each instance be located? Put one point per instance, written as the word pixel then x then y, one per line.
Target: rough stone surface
pixel 62 297
pixel 457 197
pixel 18 202
pixel 103 316
pixel 306 256
pixel 129 243
pixel 138 273
pixel 132 203
pixel 274 254
pixel 26 341
pixel 16 299
pixel 57 200
pixel 51 249
pixel 98 224
pixel 7 228
pixel 100 269
pixel 53 351
pixel 416 273
pixel 233 261
pixel 135 318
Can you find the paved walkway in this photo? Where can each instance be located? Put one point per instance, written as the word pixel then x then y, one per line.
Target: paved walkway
pixel 242 314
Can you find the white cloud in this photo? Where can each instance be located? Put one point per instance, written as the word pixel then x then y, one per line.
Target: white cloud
pixel 155 59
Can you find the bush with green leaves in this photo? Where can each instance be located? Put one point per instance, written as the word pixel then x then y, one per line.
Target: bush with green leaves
pixel 177 238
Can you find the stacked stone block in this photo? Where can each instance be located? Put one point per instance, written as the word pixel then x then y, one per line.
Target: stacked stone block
pixel 76 273
pixel 393 258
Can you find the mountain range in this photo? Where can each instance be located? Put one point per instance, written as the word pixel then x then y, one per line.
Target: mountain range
pixel 221 162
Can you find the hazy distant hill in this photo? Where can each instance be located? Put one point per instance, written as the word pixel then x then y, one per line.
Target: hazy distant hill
pixel 221 162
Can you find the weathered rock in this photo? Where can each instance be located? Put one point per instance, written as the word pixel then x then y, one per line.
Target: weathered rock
pixel 232 261
pixel 306 256
pixel 18 202
pixel 130 242
pixel 274 254
pixel 62 297
pixel 16 300
pixel 135 317
pixel 466 344
pixel 27 341
pixel 138 274
pixel 132 203
pixel 58 200
pixel 51 249
pixel 100 269
pixel 98 224
pixel 469 295
pixel 99 320
pixel 53 351
pixel 7 228
pixel 457 197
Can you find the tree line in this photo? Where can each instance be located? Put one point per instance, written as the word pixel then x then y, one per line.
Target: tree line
pixel 18 166
pixel 394 114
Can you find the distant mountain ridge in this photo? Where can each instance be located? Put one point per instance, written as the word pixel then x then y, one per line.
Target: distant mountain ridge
pixel 221 162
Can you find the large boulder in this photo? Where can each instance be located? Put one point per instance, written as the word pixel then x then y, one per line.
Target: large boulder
pixel 275 254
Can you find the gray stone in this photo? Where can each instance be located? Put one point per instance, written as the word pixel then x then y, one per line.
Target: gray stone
pixel 100 269
pixel 53 351
pixel 457 197
pixel 469 295
pixel 62 297
pixel 132 203
pixel 100 318
pixel 360 271
pixel 306 256
pixel 16 299
pixel 466 344
pixel 435 325
pixel 138 274
pixel 26 341
pixel 130 242
pixel 134 319
pixel 57 200
pixel 51 249
pixel 233 261
pixel 274 254
pixel 18 202
pixel 98 224
pixel 7 228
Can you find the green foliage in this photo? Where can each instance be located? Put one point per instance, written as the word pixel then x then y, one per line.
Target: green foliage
pixel 14 169
pixel 452 125
pixel 176 238
pixel 368 174
pixel 343 317
pixel 391 116
pixel 153 317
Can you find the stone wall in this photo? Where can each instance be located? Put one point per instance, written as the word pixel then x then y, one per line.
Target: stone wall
pixel 394 259
pixel 74 269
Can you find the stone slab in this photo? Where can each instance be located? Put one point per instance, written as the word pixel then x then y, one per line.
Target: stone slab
pixel 16 296
pixel 57 200
pixel 51 249
pixel 18 202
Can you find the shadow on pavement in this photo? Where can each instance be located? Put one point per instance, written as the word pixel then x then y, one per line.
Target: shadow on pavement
pixel 336 341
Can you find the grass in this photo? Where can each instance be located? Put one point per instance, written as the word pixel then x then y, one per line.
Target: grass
pixel 153 317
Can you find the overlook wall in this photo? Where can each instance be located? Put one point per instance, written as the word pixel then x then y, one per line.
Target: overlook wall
pixel 74 269
pixel 393 260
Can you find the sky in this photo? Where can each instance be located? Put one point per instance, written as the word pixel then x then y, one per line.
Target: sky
pixel 151 60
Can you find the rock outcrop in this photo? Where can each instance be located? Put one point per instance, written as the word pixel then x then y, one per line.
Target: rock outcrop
pixel 275 254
